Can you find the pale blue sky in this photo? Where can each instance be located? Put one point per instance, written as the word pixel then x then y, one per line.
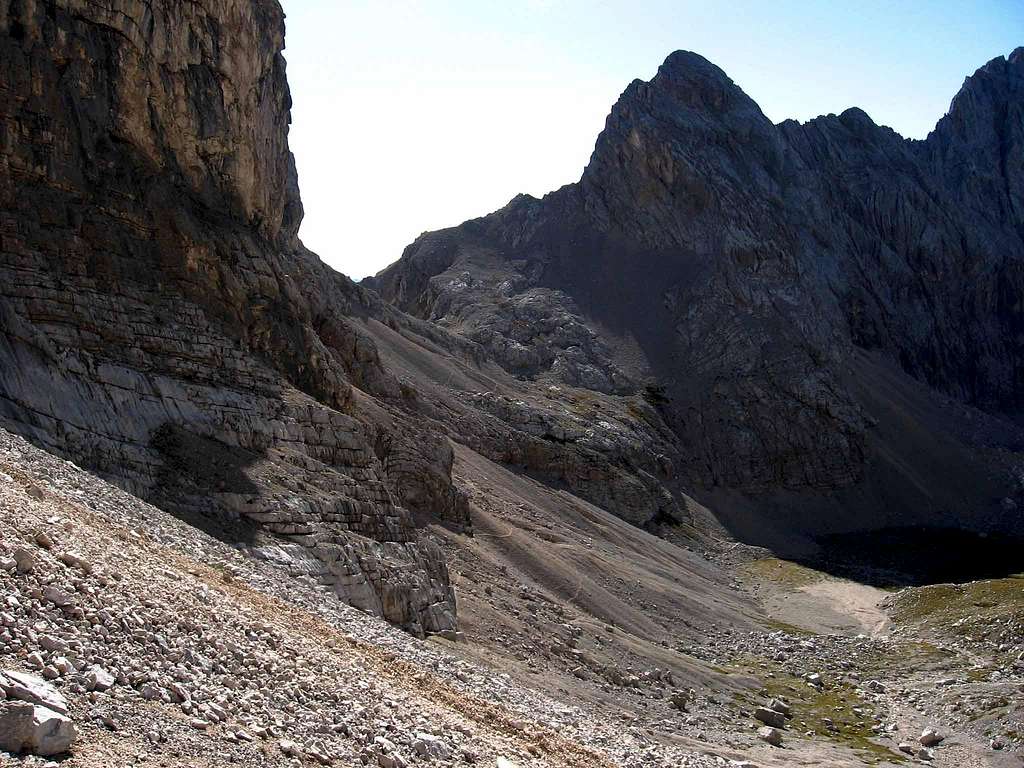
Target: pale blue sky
pixel 411 115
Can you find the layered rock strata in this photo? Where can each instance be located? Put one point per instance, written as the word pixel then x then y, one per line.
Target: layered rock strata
pixel 160 322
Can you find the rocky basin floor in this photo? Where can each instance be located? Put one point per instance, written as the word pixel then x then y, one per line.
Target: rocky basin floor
pixel 174 648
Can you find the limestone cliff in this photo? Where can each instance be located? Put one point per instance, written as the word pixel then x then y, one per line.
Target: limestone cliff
pixel 159 320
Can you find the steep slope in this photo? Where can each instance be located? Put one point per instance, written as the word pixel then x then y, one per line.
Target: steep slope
pixel 161 323
pixel 824 316
pixel 215 659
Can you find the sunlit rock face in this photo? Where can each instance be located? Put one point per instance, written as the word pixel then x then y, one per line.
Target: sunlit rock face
pixel 160 322
pixel 827 316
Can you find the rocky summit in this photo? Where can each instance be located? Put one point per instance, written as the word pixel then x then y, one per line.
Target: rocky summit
pixel 825 317
pixel 523 499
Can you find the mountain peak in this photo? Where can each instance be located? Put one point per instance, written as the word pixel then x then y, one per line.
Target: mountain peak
pixel 977 114
pixel 688 63
pixel 693 82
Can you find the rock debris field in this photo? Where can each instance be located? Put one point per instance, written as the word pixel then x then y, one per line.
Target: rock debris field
pixel 131 638
pixel 170 648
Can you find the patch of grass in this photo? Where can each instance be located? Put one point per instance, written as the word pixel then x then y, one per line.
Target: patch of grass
pixel 813 708
pixel 979 611
pixel 953 601
pixel 905 657
pixel 789 629
pixel 780 572
pixel 979 674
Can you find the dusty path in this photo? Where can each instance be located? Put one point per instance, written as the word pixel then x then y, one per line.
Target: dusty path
pixel 831 607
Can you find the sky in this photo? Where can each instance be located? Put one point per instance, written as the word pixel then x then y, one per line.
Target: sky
pixel 415 115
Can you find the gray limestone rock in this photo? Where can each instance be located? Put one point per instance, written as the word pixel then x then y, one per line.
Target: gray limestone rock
pixel 823 317
pixel 34 729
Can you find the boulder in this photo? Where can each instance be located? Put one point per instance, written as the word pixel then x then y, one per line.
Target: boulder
pixel 25 559
pixel 681 699
pixel 38 730
pixel 20 686
pixel 770 735
pixel 770 717
pixel 779 705
pixel 930 737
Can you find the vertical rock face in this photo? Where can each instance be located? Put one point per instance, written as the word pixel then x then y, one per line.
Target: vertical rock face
pixel 161 323
pixel 826 315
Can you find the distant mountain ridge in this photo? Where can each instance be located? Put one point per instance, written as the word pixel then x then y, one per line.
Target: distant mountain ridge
pixel 828 316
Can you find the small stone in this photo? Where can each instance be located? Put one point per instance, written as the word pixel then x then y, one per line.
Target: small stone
pixel 42 539
pixel 680 700
pixel 53 644
pixel 99 679
pixel 778 705
pixel 770 735
pixel 428 745
pixel 770 717
pixel 25 559
pixel 56 596
pixel 149 692
pixel 75 560
pixel 930 737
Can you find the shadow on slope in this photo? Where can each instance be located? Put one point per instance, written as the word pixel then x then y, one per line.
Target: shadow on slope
pixel 194 467
pixel 917 556
pixel 935 465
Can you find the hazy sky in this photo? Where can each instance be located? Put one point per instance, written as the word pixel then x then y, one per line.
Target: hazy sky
pixel 412 116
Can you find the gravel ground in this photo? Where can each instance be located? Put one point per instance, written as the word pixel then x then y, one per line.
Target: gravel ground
pixel 221 659
pixel 218 658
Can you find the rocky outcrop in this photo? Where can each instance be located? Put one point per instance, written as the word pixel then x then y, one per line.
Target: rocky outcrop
pixel 33 716
pixel 161 324
pixel 824 315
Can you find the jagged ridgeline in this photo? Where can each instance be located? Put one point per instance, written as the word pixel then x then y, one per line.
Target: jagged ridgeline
pixel 826 316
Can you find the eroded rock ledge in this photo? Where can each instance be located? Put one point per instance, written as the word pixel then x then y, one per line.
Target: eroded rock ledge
pixel 159 320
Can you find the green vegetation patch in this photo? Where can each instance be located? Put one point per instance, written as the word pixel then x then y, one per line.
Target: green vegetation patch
pixel 904 657
pixel 988 611
pixel 780 572
pixel 828 713
pixel 956 601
